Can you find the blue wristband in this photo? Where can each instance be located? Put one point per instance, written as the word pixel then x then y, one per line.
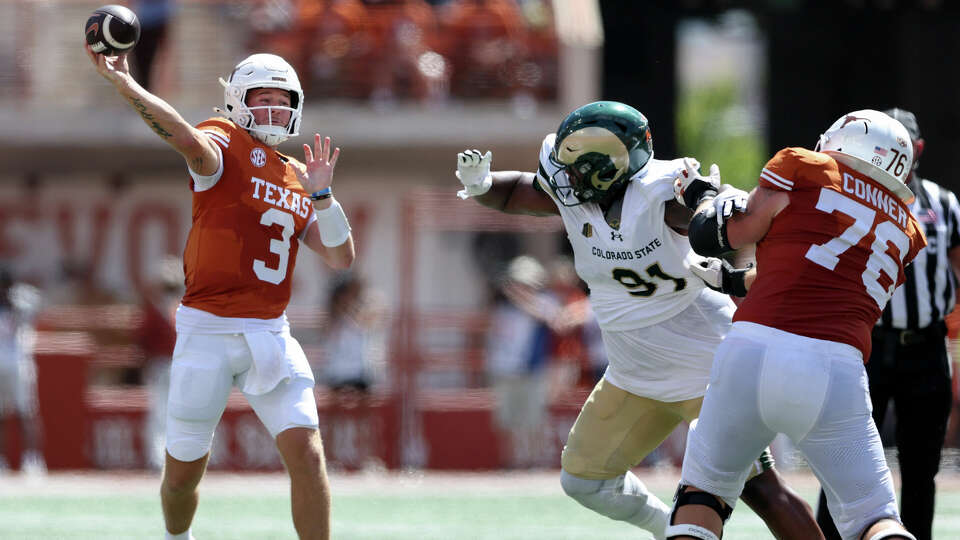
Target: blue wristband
pixel 324 193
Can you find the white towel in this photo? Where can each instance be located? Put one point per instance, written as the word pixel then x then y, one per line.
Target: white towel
pixel 269 367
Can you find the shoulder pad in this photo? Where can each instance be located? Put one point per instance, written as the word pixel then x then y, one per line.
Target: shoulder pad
pixel 220 123
pixel 545 167
pixel 657 177
pixel 220 130
pixel 546 149
pixel 792 165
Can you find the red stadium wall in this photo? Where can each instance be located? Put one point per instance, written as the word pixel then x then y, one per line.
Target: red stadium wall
pixel 103 427
pixel 91 419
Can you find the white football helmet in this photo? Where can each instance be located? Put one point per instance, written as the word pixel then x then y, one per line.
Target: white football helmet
pixel 874 144
pixel 262 71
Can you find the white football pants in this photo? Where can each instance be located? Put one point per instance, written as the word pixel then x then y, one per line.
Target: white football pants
pixel 204 369
pixel 765 381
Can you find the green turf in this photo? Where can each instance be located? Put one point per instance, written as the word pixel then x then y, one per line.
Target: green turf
pixel 356 516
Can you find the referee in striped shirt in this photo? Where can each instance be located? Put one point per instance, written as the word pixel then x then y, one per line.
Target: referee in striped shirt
pixel 909 362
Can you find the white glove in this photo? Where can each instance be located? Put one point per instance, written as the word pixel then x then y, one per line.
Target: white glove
pixel 710 270
pixel 730 201
pixel 473 171
pixel 689 186
pixel 721 276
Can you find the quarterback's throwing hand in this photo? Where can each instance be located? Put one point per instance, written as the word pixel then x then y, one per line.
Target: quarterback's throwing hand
pixel 690 187
pixel 112 68
pixel 473 171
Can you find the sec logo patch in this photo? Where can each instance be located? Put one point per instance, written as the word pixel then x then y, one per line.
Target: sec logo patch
pixel 258 157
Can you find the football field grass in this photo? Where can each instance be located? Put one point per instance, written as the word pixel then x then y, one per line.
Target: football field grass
pixel 384 505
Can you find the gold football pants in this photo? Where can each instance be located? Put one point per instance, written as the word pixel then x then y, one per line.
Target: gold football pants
pixel 616 430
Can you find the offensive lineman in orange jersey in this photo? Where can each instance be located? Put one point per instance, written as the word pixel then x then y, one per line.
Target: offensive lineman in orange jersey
pixel 833 235
pixel 252 206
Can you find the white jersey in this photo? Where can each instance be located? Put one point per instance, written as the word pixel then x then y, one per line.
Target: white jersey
pixel 639 273
pixel 17 335
pixel 18 375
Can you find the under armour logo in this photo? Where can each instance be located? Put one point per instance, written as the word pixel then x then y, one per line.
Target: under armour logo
pixel 614 235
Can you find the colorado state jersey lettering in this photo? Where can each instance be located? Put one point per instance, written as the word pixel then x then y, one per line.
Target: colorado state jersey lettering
pixel 246 229
pixel 638 274
pixel 834 255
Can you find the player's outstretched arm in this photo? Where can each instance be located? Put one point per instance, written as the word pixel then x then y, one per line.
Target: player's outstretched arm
pixel 159 115
pixel 330 237
pixel 512 192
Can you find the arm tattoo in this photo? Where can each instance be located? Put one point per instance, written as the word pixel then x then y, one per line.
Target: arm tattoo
pixel 141 107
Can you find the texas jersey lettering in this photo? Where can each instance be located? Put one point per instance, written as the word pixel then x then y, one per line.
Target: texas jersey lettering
pixel 246 230
pixel 842 243
pixel 638 273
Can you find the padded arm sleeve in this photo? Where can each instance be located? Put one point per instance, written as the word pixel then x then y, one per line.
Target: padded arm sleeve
pixel 706 237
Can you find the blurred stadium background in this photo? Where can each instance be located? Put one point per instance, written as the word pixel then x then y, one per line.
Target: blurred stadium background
pixel 91 202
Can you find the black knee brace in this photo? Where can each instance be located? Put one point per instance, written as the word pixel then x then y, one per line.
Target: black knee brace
pixel 684 497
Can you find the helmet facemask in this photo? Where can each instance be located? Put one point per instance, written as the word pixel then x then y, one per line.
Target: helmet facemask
pixel 263 71
pixel 590 178
pixel 270 133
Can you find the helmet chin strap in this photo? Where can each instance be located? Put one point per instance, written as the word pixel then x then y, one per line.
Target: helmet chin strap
pixel 820 142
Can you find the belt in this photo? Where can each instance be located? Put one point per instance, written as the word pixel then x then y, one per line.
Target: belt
pixel 908 336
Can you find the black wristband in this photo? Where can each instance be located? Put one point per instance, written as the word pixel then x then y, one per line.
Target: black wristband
pixel 696 192
pixel 734 279
pixel 324 193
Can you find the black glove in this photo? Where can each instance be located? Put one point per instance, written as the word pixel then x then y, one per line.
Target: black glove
pixel 721 276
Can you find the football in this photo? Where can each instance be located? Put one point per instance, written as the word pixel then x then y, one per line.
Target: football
pixel 112 30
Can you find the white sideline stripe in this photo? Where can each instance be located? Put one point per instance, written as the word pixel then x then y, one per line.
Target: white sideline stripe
pixel 777 180
pixel 217 137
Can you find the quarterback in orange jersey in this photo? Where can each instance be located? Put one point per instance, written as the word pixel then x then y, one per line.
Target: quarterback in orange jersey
pixel 833 235
pixel 252 207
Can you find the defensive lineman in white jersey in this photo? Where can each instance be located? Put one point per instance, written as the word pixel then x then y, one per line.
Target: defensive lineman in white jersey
pixel 638 272
pixel 659 321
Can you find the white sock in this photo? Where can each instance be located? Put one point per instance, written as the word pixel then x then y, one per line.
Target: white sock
pixel 654 514
pixel 185 535
pixel 623 498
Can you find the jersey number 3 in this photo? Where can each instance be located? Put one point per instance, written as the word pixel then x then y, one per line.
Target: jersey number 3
pixel 828 255
pixel 281 247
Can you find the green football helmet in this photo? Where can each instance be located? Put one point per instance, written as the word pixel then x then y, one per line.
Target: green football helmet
pixel 599 146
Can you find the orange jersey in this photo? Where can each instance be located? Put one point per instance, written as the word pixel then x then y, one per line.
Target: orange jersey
pixel 834 255
pixel 246 229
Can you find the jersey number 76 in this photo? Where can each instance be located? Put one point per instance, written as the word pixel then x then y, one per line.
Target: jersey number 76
pixel 828 254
